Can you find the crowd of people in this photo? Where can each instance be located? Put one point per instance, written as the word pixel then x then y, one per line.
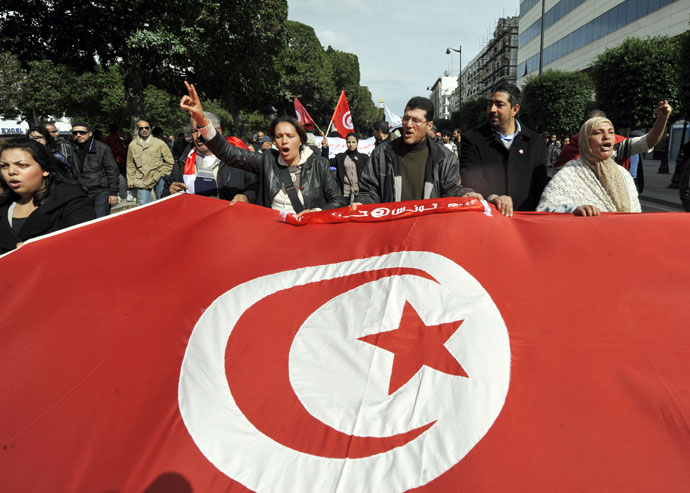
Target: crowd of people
pixel 48 183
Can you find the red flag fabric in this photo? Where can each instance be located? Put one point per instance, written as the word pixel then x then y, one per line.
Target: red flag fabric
pixel 428 352
pixel 342 119
pixel 303 115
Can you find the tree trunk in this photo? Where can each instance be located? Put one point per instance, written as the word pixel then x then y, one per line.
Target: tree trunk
pixel 134 93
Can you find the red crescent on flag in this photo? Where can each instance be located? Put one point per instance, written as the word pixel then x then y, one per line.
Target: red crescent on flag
pixel 257 369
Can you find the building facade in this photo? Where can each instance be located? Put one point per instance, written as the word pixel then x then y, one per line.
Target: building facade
pixel 576 31
pixel 441 95
pixel 496 62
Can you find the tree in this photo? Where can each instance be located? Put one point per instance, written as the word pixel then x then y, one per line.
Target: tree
pixel 236 63
pixel 34 92
pixel 556 101
pixel 306 72
pixel 631 78
pixel 684 73
pixel 12 83
pixel 229 41
pixel 364 111
pixel 470 114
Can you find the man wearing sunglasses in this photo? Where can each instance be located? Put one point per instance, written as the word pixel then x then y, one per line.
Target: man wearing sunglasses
pixel 96 169
pixel 148 160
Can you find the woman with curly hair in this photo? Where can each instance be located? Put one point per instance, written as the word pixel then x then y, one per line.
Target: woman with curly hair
pixel 38 196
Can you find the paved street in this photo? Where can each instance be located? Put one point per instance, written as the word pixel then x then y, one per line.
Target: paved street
pixel 657 197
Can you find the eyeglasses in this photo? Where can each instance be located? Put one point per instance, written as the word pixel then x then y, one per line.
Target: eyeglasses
pixel 413 121
pixel 143 128
pixel 80 132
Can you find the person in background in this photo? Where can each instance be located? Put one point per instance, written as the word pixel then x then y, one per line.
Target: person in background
pixel 381 132
pixel 42 136
pixel 58 143
pixel 446 136
pixel 149 160
pixel 119 149
pixel 348 166
pixel 38 196
pixel 96 169
pixel 200 172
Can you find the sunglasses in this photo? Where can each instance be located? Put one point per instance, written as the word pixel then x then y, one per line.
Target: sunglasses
pixel 80 132
pixel 143 128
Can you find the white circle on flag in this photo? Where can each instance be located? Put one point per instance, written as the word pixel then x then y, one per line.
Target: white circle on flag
pixel 347 121
pixel 299 117
pixel 343 382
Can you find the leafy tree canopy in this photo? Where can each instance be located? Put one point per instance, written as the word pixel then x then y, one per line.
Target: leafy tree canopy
pixel 470 114
pixel 556 101
pixel 630 79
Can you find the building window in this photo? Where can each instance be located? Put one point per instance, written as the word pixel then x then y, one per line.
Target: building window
pixel 619 16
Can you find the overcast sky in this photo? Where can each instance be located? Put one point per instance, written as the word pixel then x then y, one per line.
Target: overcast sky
pixel 402 44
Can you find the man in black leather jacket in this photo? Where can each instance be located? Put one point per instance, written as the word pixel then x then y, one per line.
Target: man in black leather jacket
pixel 96 169
pixel 412 167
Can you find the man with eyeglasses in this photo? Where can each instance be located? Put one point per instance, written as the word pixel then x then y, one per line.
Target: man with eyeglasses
pixel 148 160
pixel 96 169
pixel 413 167
pixel 502 159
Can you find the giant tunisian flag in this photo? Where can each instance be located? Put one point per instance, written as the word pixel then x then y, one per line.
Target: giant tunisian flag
pixel 454 351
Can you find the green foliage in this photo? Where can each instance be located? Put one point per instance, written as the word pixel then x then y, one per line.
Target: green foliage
pixel 633 77
pixel 163 110
pixel 115 62
pixel 364 111
pixel 306 72
pixel 34 92
pixel 12 83
pixel 556 102
pixel 227 122
pixel 98 98
pixel 471 114
pixel 684 74
pixel 253 122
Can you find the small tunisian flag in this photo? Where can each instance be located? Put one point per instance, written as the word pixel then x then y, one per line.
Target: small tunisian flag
pixel 342 119
pixel 303 115
pixel 417 345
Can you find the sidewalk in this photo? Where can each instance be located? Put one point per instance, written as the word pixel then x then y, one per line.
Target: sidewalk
pixel 656 185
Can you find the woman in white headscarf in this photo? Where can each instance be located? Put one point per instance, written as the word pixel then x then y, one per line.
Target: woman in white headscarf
pixel 593 182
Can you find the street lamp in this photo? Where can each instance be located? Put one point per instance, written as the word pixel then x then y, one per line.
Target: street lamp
pixel 459 52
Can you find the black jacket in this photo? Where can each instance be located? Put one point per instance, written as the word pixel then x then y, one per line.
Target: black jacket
pixel 338 162
pixel 98 169
pixel 318 185
pixel 67 205
pixel 489 168
pixel 230 181
pixel 381 179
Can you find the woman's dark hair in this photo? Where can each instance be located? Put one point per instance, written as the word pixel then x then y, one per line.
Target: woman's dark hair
pixel 42 155
pixel 291 120
pixel 43 132
pixel 352 134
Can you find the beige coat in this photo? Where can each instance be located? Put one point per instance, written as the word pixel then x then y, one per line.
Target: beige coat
pixel 147 165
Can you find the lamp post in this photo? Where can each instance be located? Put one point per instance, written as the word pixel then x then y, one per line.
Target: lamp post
pixel 459 52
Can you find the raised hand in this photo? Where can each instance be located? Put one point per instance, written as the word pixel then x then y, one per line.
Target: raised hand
pixel 192 104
